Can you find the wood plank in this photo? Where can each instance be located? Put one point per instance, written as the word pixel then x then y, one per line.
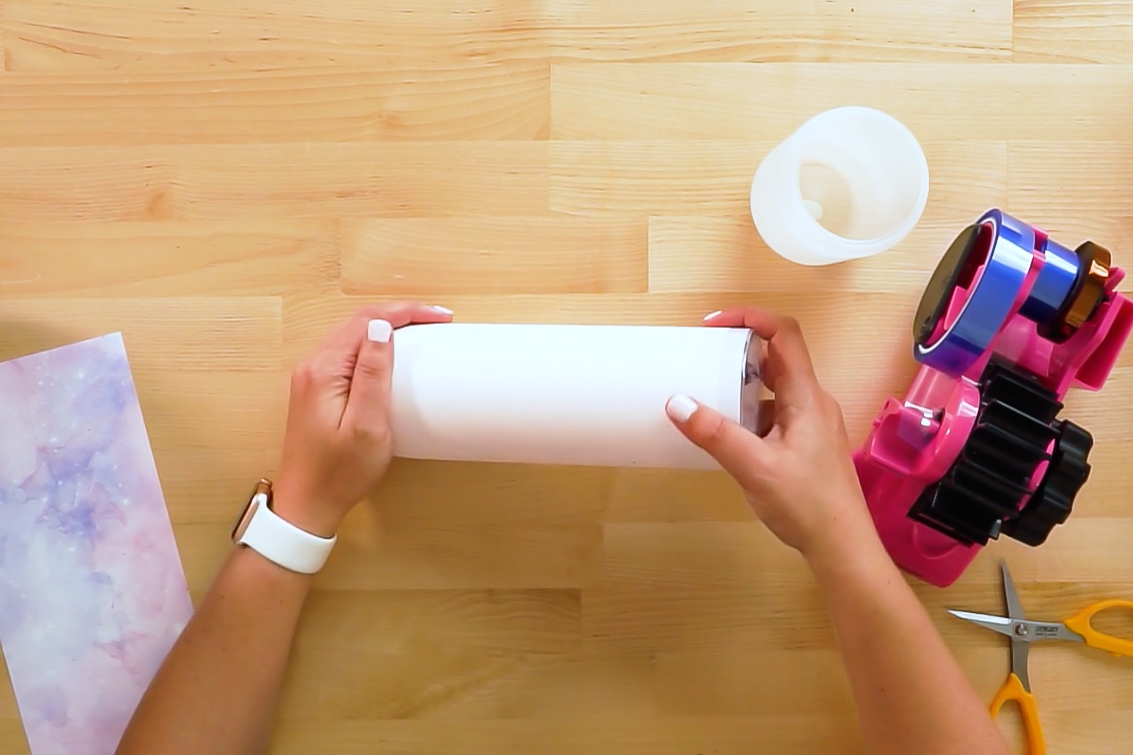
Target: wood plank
pixel 1077 552
pixel 161 35
pixel 721 735
pixel 1094 411
pixel 362 180
pixel 696 616
pixel 248 256
pixel 199 334
pixel 60 183
pixel 363 102
pixel 1075 190
pixel 429 492
pixel 504 622
pixel 653 178
pixel 494 255
pixel 1077 31
pixel 594 687
pixel 730 30
pixel 378 550
pixel 12 735
pixel 147 35
pixel 963 101
pixel 11 731
pixel 752 682
pixel 634 618
pixel 698 554
pixel 1110 486
pixel 1090 732
pixel 426 654
pixel 230 423
pixel 272 180
pixel 690 586
pixel 666 495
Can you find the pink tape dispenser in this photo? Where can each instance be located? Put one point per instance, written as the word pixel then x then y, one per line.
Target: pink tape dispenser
pixel 1009 322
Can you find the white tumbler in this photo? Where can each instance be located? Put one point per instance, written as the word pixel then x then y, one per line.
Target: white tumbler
pixel 565 394
pixel 849 183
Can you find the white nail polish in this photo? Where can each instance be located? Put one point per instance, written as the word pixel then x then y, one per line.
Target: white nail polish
pixel 379 331
pixel 713 315
pixel 442 310
pixel 681 408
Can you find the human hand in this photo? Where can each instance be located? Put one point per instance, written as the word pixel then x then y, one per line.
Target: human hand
pixel 800 477
pixel 337 444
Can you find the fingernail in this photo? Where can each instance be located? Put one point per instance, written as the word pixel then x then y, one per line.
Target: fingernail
pixel 442 310
pixel 713 315
pixel 681 408
pixel 379 331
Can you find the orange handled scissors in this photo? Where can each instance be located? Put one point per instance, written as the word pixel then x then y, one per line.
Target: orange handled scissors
pixel 1023 632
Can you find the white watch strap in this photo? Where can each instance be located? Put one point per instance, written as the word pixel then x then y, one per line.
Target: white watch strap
pixel 281 542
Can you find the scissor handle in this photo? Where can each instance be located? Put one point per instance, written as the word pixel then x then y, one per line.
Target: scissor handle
pixel 1081 623
pixel 1012 689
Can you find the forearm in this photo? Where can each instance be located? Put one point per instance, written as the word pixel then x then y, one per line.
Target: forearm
pixel 217 690
pixel 911 695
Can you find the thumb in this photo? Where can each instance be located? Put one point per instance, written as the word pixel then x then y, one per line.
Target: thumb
pixel 739 452
pixel 367 408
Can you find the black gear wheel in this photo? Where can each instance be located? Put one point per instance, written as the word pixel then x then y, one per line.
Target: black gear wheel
pixel 980 494
pixel 1052 501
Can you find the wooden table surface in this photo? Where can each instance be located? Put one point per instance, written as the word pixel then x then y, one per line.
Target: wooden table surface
pixel 224 181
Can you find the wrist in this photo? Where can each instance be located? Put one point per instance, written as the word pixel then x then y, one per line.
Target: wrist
pixel 306 513
pixel 259 567
pixel 850 543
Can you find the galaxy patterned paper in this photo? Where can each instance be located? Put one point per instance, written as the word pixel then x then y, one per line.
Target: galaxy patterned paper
pixel 92 593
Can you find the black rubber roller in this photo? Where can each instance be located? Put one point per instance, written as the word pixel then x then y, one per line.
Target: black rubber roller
pixel 980 494
pixel 1053 499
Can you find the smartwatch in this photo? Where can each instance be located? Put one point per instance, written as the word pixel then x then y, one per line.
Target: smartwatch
pixel 277 539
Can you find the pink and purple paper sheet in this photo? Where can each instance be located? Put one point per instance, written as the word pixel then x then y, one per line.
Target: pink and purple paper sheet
pixel 92 593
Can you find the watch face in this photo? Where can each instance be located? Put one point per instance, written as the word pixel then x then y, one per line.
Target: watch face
pixel 260 497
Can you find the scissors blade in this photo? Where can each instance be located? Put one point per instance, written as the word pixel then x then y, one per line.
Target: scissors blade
pixel 1021 631
pixel 1014 607
pixel 1000 624
pixel 1020 648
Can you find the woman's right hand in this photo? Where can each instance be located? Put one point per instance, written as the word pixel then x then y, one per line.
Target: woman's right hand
pixel 800 477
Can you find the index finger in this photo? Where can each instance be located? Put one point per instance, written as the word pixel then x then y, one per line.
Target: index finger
pixel 349 335
pixel 788 371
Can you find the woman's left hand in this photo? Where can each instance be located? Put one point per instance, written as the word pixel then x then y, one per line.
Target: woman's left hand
pixel 337 445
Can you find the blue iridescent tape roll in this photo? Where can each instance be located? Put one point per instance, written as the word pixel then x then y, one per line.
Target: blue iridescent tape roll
pixel 1054 284
pixel 1009 255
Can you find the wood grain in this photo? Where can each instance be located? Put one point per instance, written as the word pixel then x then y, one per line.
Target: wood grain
pixel 1094 31
pixel 731 30
pixel 726 735
pixel 168 258
pixel 162 35
pixel 506 255
pixel 507 100
pixel 225 182
pixel 957 101
pixel 166 35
